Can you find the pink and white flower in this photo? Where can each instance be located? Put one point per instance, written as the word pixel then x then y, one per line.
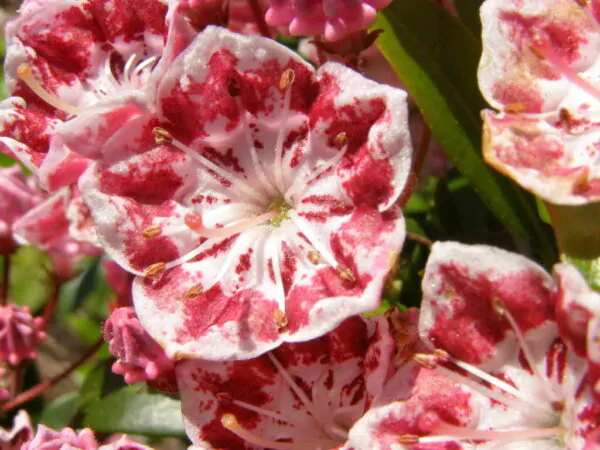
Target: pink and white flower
pixel 20 334
pixel 19 434
pixel 67 438
pixel 268 217
pixel 540 69
pixel 333 19
pixel 64 57
pixel 508 364
pixel 17 197
pixel 299 396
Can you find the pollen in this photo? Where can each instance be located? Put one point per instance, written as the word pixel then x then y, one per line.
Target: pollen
pixel 283 208
pixel 153 231
pixel 287 79
pixel 340 140
pixel 346 274
pixel 162 136
pixel 281 320
pixel 194 291
pixel 314 257
pixel 155 269
pixel 408 439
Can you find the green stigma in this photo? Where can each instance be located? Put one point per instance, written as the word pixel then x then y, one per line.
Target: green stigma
pixel 283 207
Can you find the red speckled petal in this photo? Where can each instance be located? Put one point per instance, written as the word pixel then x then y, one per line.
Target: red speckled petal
pixel 554 159
pixel 511 73
pixel 593 348
pixel 460 287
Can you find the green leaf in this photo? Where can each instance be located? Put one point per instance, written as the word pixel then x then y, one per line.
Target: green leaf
pixel 436 57
pixel 589 268
pixel 29 280
pixel 59 412
pixel 130 411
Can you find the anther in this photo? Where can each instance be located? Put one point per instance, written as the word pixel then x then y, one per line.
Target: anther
pixel 537 52
pixel 153 231
pixel 408 439
pixel 346 274
pixel 194 291
pixel 155 269
pixel 441 355
pixel 498 306
pixel 287 78
pixel 162 136
pixel 23 70
pixel 426 360
pixel 340 140
pixel 314 257
pixel 515 108
pixel 281 320
pixel 233 87
pixel 229 421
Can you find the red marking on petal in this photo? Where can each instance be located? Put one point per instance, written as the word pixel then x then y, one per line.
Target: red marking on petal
pixel 556 360
pixel 244 263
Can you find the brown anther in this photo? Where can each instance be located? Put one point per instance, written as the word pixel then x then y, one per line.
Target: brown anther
pixel 162 136
pixel 582 3
pixel 498 306
pixel 558 406
pixel 346 274
pixel 287 78
pixel 340 139
pixel 281 320
pixel 537 52
pixel 408 439
pixel 23 70
pixel 233 87
pixel 582 182
pixel 153 231
pixel 515 108
pixel 155 269
pixel 441 355
pixel 194 291
pixel 565 117
pixel 314 257
pixel 229 421
pixel 426 360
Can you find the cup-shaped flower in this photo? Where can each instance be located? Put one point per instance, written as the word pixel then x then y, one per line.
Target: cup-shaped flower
pixel 508 360
pixel 258 208
pixel 20 433
pixel 299 396
pixel 540 69
pixel 67 438
pixel 139 357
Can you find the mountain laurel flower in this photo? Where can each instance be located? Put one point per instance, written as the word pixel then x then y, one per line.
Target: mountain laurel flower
pixel 303 395
pixel 259 206
pixel 139 357
pixel 67 438
pixel 20 334
pixel 333 19
pixel 64 57
pixel 540 69
pixel 20 433
pixel 508 361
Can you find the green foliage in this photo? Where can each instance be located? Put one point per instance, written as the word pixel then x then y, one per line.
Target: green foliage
pixel 436 57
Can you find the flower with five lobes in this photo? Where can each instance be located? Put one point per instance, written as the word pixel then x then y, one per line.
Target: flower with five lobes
pixel 540 69
pixel 258 205
pixel 510 360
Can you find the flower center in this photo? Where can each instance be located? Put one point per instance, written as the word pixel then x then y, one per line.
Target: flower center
pixel 283 208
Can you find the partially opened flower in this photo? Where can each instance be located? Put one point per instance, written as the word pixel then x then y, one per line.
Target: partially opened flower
pixel 66 56
pixel 67 438
pixel 20 334
pixel 49 228
pixel 20 433
pixel 268 217
pixel 540 69
pixel 17 197
pixel 299 396
pixel 334 19
pixel 500 372
pixel 139 357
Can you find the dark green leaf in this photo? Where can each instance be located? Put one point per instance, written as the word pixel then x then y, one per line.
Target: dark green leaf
pixel 436 57
pixel 58 413
pixel 130 411
pixel 468 10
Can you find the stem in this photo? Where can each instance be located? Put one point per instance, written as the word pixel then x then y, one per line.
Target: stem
pixel 5 279
pixel 417 165
pixel 39 389
pixel 420 239
pixel 52 303
pixel 259 18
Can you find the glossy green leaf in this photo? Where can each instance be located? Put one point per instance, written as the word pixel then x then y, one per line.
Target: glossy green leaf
pixel 59 412
pixel 436 57
pixel 130 411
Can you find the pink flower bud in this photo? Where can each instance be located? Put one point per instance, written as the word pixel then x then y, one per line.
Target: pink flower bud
pixel 19 334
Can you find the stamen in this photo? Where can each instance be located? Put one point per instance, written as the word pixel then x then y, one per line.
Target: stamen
pixel 153 231
pixel 262 411
pixel 194 221
pixel 194 291
pixel 162 136
pixel 273 248
pixel 230 422
pixel 191 254
pixel 346 274
pixel 155 269
pixel 408 439
pixel 145 64
pixel 281 320
pixel 128 66
pixel 544 51
pixel 308 233
pixel 314 257
pixel 452 432
pixel 26 75
pixel 504 312
pixel 285 83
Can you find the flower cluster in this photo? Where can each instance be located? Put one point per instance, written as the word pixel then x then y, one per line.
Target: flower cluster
pixel 250 209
